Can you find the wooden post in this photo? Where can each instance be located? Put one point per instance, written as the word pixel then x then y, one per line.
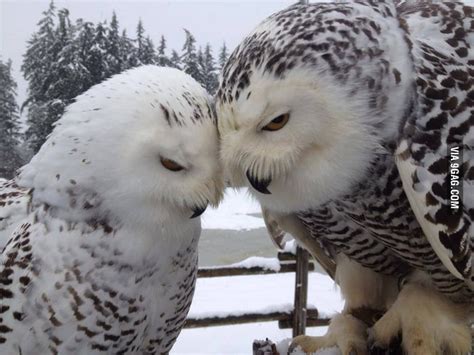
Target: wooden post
pixel 301 292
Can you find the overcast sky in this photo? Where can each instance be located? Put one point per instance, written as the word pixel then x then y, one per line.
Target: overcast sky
pixel 209 21
pixel 213 21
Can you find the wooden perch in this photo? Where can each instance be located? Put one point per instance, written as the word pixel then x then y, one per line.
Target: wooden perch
pixel 301 292
pixel 285 319
pixel 240 270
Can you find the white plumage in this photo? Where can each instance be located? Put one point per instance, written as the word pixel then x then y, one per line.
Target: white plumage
pixel 103 255
pixel 339 117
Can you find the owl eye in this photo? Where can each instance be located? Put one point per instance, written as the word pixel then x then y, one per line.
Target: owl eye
pixel 170 164
pixel 277 123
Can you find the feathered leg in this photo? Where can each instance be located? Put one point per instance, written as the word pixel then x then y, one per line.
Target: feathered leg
pixel 366 295
pixel 429 323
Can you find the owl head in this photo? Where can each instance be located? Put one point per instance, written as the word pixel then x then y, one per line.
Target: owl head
pixel 140 147
pixel 307 100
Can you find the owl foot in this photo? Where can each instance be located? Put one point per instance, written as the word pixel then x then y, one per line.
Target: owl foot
pixel 345 331
pixel 428 323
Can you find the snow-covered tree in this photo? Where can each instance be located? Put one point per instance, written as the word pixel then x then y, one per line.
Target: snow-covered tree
pixel 175 59
pixel 223 56
pixel 85 52
pixel 62 33
pixel 38 68
pixel 64 60
pixel 40 56
pixel 201 66
pixel 162 59
pixel 10 158
pixel 140 41
pixel 128 51
pixel 68 72
pixel 189 58
pixel 148 54
pixel 97 59
pixel 114 56
pixel 209 74
pixel 144 47
pixel 40 125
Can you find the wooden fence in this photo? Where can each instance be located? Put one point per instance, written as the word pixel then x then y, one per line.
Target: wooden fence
pixel 298 319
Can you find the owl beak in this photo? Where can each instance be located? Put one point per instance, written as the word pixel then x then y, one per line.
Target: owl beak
pixel 259 185
pixel 197 211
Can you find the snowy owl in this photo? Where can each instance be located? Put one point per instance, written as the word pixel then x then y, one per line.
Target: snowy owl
pixel 344 118
pixel 102 256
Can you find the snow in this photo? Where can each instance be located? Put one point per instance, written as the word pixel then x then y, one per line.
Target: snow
pixel 284 308
pixel 221 296
pixel 283 345
pixel 256 261
pixel 290 246
pixel 234 212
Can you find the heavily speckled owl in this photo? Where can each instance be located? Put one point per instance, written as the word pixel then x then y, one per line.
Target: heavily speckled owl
pixel 345 119
pixel 101 255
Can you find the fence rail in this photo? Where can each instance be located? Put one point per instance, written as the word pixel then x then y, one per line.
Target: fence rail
pixel 206 272
pixel 284 319
pixel 298 319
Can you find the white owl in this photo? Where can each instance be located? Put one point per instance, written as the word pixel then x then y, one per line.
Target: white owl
pixel 103 224
pixel 340 118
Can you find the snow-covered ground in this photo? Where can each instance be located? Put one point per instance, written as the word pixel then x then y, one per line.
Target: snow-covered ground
pixel 247 294
pixel 234 231
pixel 240 215
pixel 238 211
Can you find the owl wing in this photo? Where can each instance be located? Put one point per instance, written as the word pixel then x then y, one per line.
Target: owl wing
pixel 435 156
pixel 13 208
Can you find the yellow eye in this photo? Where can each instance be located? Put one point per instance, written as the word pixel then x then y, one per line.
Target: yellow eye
pixel 171 165
pixel 277 123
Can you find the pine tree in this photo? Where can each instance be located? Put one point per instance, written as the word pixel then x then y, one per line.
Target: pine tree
pixel 162 59
pixel 144 47
pixel 10 158
pixel 140 41
pixel 40 125
pixel 189 57
pixel 97 56
pixel 85 44
pixel 148 54
pixel 201 78
pixel 223 56
pixel 140 38
pixel 66 71
pixel 39 60
pixel 40 56
pixel 175 60
pixel 209 71
pixel 114 56
pixel 65 83
pixel 128 52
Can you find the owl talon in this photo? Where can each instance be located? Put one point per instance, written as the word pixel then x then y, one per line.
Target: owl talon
pixel 428 322
pixel 345 331
pixel 375 350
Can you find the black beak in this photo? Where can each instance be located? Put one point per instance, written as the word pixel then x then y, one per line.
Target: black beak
pixel 197 211
pixel 259 185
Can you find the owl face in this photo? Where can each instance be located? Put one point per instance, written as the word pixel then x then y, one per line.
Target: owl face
pixel 296 142
pixel 141 148
pixel 170 151
pixel 306 99
pixel 177 167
